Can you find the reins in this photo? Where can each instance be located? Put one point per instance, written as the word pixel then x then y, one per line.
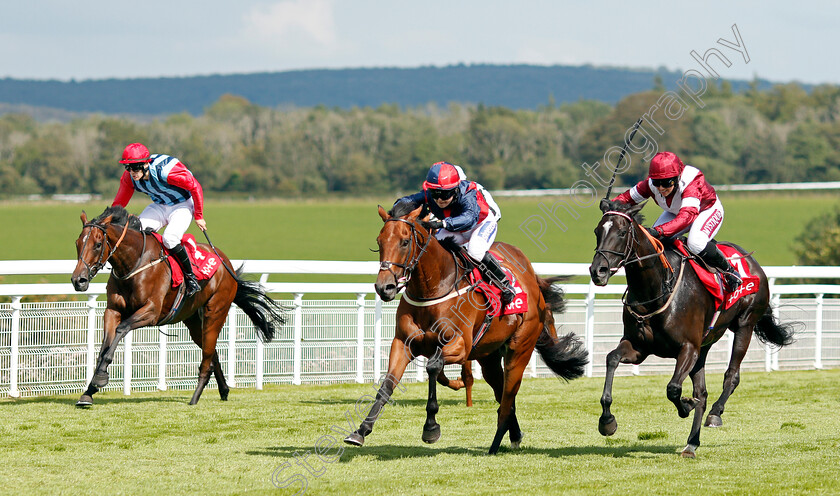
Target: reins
pixel 96 267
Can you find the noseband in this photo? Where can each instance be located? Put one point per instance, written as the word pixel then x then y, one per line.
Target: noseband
pixel 628 250
pixel 413 259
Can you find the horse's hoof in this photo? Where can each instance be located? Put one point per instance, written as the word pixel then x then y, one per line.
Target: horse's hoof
pixel 713 421
pixel 608 426
pixel 224 395
pixel 432 435
pixel 99 381
pixel 355 439
pixel 84 402
pixel 688 451
pixel 515 444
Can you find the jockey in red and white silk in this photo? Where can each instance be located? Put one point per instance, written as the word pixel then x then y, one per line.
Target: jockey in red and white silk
pixel 690 206
pixel 176 195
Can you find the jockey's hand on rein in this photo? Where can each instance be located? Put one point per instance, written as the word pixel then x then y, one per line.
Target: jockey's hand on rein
pixel 436 224
pixel 653 232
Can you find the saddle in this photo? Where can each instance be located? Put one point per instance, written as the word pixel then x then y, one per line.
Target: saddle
pixel 204 263
pixel 712 280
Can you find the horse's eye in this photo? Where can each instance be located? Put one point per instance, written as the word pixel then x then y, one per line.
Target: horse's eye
pixel 405 242
pixel 97 245
pixel 622 233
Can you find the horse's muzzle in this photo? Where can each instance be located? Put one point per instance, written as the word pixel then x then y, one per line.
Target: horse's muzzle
pixel 386 292
pixel 80 283
pixel 600 273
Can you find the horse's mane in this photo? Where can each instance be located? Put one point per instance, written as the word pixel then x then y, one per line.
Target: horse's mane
pixel 119 217
pixel 625 209
pixel 402 208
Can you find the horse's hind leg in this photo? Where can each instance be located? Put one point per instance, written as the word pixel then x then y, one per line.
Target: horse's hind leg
pixel 623 353
pixel 431 429
pixel 698 380
pixel 204 329
pixel 732 376
pixel 224 390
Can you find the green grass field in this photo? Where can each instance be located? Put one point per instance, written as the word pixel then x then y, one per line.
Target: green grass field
pixel 347 229
pixel 781 435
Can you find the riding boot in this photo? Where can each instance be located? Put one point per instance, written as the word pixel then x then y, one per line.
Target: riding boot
pixel 712 255
pixel 492 271
pixel 180 254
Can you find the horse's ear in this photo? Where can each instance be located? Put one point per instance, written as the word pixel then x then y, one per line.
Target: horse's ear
pixel 635 209
pixel 416 212
pixel 383 213
pixel 83 217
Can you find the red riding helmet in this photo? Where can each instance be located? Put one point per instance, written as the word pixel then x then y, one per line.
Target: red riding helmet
pixel 134 153
pixel 665 165
pixel 442 175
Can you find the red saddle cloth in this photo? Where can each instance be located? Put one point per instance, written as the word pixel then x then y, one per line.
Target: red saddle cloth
pixel 749 284
pixel 204 263
pixel 494 294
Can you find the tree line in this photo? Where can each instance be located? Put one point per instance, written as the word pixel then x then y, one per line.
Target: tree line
pixel 781 134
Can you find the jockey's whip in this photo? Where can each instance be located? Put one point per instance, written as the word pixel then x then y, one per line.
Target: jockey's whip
pixel 623 152
pixel 217 254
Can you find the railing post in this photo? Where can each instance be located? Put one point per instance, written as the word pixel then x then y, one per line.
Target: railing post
pixel 164 330
pixel 774 356
pixel 818 332
pixel 377 339
pixel 360 338
pixel 589 328
pixel 231 358
pixel 91 338
pixel 533 365
pixel 127 363
pixel 13 366
pixel 297 355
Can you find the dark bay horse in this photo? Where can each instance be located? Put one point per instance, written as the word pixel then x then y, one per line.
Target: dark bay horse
pixel 668 313
pixel 140 294
pixel 443 320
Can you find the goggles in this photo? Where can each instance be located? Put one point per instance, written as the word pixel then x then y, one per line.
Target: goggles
pixel 136 166
pixel 663 183
pixel 442 194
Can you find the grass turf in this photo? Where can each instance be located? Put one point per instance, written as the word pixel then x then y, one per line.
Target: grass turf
pixel 781 435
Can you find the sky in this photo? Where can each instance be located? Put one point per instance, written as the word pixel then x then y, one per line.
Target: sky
pixel 52 39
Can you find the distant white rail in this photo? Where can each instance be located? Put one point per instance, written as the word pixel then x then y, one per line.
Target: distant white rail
pixel 49 346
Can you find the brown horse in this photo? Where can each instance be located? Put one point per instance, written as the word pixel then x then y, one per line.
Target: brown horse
pixel 442 323
pixel 140 294
pixel 670 314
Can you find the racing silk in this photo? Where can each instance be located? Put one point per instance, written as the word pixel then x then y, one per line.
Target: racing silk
pixel 692 195
pixel 463 214
pixel 169 183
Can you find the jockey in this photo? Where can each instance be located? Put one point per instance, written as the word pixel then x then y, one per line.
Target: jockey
pixel 691 205
pixel 176 196
pixel 465 211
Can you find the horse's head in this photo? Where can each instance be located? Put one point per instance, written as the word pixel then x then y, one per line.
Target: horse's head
pixel 402 241
pixel 92 246
pixel 616 237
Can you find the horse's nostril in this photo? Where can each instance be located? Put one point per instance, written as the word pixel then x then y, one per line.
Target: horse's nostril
pixel 390 287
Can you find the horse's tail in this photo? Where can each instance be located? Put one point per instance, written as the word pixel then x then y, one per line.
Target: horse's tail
pixel 768 329
pixel 264 312
pixel 565 355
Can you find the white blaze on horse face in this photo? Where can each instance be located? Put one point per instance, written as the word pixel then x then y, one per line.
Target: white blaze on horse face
pixel 607 225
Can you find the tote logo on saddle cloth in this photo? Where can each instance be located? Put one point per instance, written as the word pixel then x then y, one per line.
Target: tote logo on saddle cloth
pixel 749 283
pixel 204 263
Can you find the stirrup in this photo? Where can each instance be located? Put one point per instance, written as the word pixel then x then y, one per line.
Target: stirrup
pixel 192 286
pixel 731 280
pixel 508 295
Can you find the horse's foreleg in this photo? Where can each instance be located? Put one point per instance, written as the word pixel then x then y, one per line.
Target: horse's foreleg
pixel 467 377
pixel 686 359
pixel 398 360
pixel 623 353
pixel 698 380
pixel 515 363
pixel 431 429
pixel 732 376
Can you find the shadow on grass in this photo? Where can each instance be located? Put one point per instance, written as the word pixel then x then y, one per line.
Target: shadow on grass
pixel 97 400
pixel 399 402
pixel 393 452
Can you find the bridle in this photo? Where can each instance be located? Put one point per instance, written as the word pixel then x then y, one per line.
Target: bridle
pixel 412 259
pixel 100 262
pixel 628 249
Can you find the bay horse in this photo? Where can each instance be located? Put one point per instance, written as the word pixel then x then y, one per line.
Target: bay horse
pixel 668 313
pixel 442 322
pixel 139 294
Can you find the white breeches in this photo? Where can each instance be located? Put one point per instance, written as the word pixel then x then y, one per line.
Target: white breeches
pixel 177 218
pixel 477 240
pixel 703 229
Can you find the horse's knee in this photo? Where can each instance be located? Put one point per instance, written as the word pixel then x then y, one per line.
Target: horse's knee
pixel 673 391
